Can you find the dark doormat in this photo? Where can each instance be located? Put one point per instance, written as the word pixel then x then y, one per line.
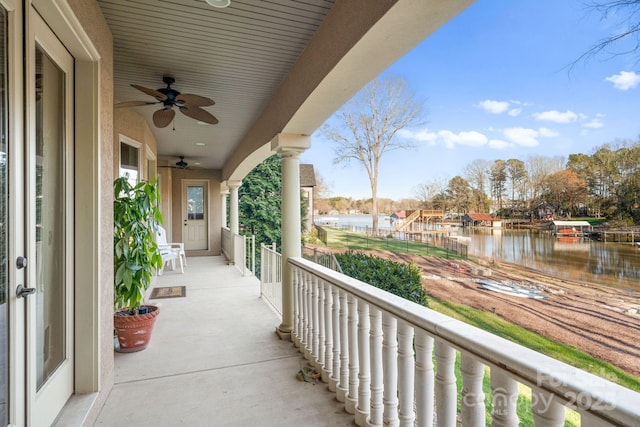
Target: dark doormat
pixel 168 292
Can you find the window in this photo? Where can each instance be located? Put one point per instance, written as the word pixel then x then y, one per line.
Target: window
pixel 130 159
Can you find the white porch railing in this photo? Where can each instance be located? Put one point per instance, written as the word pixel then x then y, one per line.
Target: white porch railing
pixel 226 242
pixel 271 276
pixel 376 350
pixel 244 251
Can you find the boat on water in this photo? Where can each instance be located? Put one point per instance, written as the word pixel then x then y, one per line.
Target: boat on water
pixel 509 289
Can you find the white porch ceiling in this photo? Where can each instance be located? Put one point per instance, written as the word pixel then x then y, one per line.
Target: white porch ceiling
pixel 238 56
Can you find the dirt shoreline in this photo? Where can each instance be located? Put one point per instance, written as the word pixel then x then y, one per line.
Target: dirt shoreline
pixel 599 320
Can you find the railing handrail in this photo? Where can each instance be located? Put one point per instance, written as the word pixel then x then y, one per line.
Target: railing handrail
pixel 571 385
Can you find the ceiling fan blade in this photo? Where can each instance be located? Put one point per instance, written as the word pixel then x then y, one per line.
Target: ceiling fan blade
pixel 194 100
pixel 151 92
pixel 133 104
pixel 163 117
pixel 199 114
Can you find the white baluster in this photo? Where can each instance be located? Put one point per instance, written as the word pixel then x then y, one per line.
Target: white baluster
pixel 425 396
pixel 297 323
pixel 315 324
pixel 377 386
pixel 390 369
pixel 305 316
pixel 505 399
pixel 352 394
pixel 343 385
pixel 406 372
pixel 472 397
pixel 547 412
pixel 309 315
pixel 334 378
pixel 328 334
pixel 446 393
pixel 364 378
pixel 320 357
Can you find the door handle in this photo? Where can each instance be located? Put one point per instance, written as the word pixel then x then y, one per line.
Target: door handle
pixel 22 292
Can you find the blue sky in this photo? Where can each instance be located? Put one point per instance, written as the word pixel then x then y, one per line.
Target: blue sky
pixel 496 85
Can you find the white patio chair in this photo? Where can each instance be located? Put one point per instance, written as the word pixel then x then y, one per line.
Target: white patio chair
pixel 170 251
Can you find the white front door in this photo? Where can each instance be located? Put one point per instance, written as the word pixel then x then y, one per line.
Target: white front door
pixel 49 223
pixel 194 215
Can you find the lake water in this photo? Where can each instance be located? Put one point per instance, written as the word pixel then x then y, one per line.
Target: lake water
pixel 612 264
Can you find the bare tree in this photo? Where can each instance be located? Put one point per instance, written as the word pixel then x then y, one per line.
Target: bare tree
pixel 369 124
pixel 626 40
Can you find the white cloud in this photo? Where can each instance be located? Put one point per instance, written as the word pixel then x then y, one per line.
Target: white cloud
pixel 594 124
pixel 515 112
pixel 471 138
pixel 493 107
pixel 624 80
pixel 556 116
pixel 421 136
pixel 499 144
pixel 547 133
pixel 522 136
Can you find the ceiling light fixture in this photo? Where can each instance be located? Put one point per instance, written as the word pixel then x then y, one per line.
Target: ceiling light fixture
pixel 218 3
pixel 200 144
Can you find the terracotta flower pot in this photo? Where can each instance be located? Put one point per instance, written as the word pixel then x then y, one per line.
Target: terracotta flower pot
pixel 134 331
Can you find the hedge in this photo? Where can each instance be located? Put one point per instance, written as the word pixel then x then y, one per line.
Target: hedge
pixel 404 280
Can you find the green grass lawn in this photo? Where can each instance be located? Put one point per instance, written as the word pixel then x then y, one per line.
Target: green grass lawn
pixel 361 242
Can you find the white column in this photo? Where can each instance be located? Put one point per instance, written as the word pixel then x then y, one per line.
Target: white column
pixel 472 405
pixel 352 394
pixel 234 223
pixel 223 207
pixel 406 374
pixel 390 370
pixel 364 374
pixel 446 394
pixel 343 385
pixel 505 399
pixel 425 394
pixel 547 412
pixel 377 384
pixel 328 335
pixel 334 379
pixel 289 147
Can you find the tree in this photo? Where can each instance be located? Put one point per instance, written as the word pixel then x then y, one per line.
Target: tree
pixel 626 39
pixel 459 193
pixel 369 124
pixel 498 178
pixel 517 173
pixel 260 201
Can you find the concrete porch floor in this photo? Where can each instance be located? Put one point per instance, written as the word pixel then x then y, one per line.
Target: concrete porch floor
pixel 215 360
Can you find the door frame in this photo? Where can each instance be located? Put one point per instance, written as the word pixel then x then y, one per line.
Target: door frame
pixel 183 211
pixel 93 362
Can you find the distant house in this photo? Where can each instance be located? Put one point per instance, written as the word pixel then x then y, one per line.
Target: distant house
pixel 307 183
pixel 473 219
pixel 398 218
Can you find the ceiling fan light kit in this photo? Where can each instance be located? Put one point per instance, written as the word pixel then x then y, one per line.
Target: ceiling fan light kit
pixel 218 3
pixel 188 104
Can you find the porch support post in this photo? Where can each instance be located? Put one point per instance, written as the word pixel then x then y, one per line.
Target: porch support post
pixel 234 224
pixel 223 207
pixel 290 146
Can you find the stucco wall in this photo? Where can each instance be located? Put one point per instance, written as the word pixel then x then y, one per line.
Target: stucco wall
pixel 132 125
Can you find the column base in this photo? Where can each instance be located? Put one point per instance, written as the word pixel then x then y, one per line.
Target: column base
pixel 341 394
pixel 361 417
pixel 350 404
pixel 283 335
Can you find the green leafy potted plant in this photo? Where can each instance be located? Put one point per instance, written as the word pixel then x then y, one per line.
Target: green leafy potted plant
pixel 136 257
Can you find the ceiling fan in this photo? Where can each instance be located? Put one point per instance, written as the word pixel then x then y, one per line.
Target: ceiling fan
pixel 188 104
pixel 180 164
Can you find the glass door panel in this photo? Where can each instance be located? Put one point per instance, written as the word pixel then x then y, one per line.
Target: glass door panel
pixel 50 217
